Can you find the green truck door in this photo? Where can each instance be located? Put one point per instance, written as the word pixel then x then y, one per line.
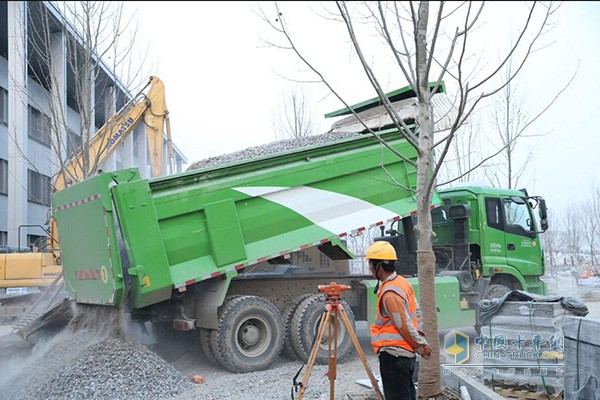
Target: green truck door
pixel 509 243
pixel 493 241
pixel 523 252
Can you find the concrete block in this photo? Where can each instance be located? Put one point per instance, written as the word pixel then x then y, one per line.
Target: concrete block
pixel 582 353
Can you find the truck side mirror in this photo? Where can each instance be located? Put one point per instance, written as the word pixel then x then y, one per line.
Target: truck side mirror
pixel 543 214
pixel 543 209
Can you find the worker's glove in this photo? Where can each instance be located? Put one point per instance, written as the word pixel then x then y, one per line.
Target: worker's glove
pixel 424 351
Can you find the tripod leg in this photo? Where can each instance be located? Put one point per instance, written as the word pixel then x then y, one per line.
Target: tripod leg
pixel 332 354
pixel 313 352
pixel 361 355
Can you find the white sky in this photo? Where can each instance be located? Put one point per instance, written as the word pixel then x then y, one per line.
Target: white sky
pixel 222 83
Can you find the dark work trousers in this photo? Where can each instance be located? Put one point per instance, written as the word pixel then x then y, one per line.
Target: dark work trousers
pixel 397 376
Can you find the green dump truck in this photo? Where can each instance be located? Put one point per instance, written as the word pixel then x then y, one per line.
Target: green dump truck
pixel 485 237
pixel 180 250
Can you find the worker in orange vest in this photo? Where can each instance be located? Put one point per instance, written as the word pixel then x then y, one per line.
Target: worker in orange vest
pixel 395 334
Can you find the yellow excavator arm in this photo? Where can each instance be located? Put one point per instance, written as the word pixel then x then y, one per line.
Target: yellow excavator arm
pixel 151 108
pixel 40 269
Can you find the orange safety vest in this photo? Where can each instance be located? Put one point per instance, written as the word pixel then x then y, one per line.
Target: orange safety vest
pixel 383 330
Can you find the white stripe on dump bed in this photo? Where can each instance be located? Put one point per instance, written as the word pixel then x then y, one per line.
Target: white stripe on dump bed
pixel 335 212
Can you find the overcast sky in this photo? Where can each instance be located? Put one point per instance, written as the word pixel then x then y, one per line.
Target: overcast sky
pixel 223 84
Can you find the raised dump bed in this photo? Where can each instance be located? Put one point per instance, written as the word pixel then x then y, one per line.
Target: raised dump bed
pixel 194 226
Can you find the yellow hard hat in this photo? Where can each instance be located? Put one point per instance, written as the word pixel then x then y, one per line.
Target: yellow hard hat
pixel 381 250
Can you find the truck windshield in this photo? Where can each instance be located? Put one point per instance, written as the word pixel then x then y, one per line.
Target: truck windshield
pixel 517 213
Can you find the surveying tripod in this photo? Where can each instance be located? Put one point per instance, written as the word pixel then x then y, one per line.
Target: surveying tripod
pixel 333 311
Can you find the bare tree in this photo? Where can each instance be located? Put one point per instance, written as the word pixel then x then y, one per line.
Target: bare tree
pixel 359 242
pixel 464 154
pixel 572 234
pixel 101 35
pixel 293 117
pixel 550 241
pixel 591 222
pixel 426 47
pixel 75 56
pixel 512 123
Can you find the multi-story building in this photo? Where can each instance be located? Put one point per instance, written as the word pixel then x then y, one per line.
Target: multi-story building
pixel 28 102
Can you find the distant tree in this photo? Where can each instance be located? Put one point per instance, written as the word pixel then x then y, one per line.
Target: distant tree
pixel 103 33
pixel 591 222
pixel 511 123
pixel 359 242
pixel 294 117
pixel 550 241
pixel 67 53
pixel 572 233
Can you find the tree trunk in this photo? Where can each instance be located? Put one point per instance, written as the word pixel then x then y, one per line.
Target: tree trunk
pixel 429 370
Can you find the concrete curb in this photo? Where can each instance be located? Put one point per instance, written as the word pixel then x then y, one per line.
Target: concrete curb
pixel 477 390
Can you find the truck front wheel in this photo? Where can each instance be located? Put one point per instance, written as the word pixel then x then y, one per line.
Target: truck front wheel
pixel 496 290
pixel 249 336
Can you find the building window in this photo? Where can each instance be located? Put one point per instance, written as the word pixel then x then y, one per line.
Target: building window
pixel 73 142
pixel 39 126
pixel 39 188
pixel 3 106
pixel 36 241
pixel 3 238
pixel 3 176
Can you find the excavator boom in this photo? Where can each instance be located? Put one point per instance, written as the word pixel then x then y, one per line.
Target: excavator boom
pixel 31 269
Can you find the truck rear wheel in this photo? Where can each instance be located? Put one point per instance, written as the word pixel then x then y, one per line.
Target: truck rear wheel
pixel 204 335
pixel 288 313
pixel 305 324
pixel 249 336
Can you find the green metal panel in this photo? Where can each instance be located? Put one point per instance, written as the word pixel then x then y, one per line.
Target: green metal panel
pixel 227 243
pixel 87 226
pixel 395 95
pixel 447 298
pixel 151 281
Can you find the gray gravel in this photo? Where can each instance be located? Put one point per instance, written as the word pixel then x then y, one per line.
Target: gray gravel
pixel 276 382
pixel 271 148
pixel 82 363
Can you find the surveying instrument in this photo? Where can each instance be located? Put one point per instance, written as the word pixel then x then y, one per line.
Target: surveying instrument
pixel 334 311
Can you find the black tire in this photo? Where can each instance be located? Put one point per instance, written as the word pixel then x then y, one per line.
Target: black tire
pixel 496 290
pixel 204 337
pixel 206 343
pixel 289 310
pixel 249 336
pixel 304 328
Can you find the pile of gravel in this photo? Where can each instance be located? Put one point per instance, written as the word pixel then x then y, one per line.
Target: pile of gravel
pixel 272 148
pixel 85 362
pixel 113 369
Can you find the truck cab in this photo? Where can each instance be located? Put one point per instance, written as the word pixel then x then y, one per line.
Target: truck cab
pixel 499 230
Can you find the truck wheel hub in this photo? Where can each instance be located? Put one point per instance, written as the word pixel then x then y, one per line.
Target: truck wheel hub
pixel 250 335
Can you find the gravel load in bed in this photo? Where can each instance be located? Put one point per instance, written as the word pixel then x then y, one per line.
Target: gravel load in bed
pixel 271 148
